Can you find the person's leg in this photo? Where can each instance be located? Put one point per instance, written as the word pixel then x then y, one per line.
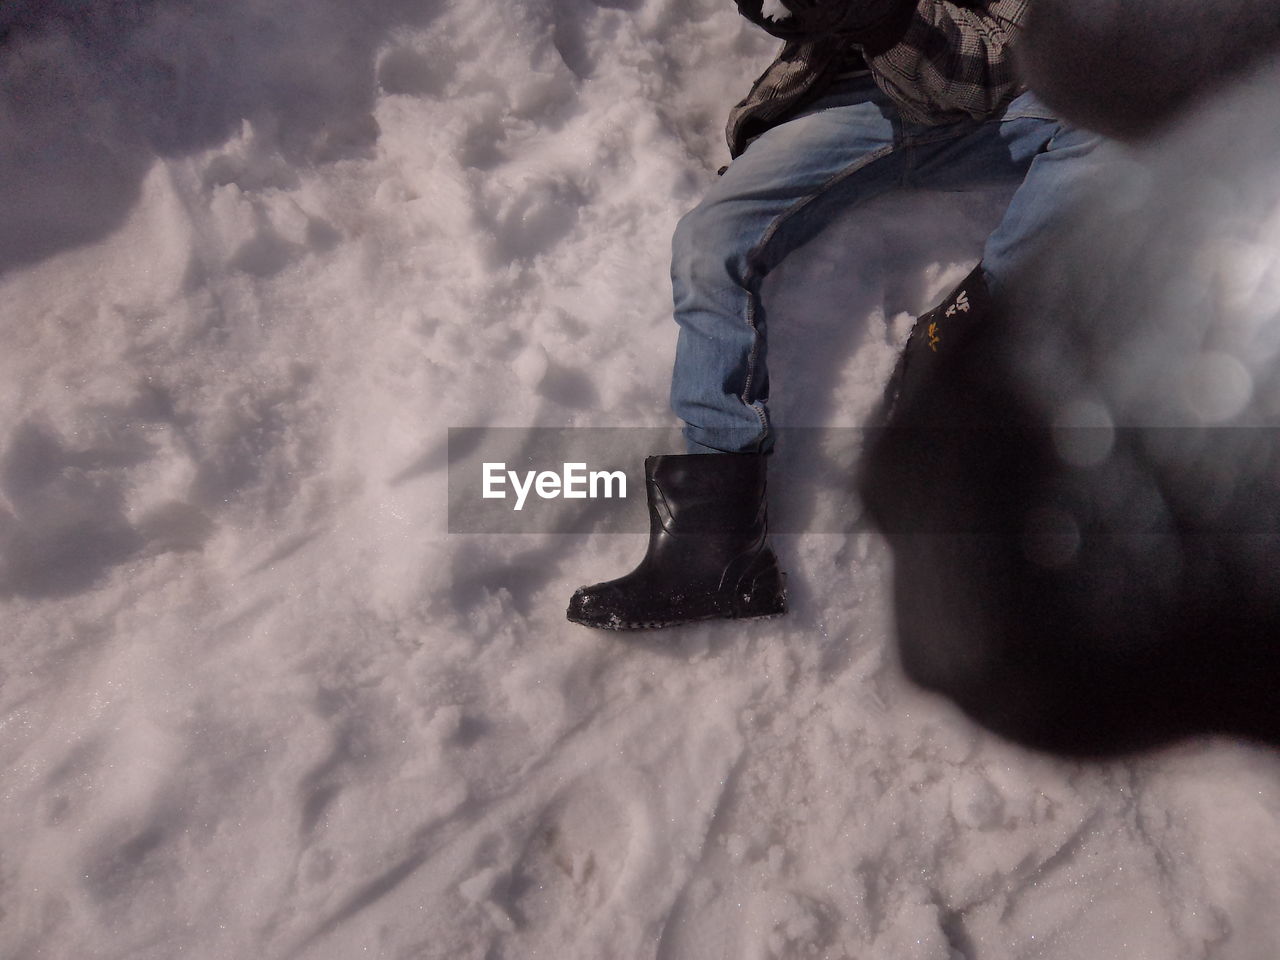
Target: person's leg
pixel 1058 177
pixel 1052 165
pixel 787 186
pixel 709 554
pixel 1054 162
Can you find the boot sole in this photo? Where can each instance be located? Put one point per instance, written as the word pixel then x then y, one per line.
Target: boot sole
pixel 620 625
pixel 766 598
pixel 752 608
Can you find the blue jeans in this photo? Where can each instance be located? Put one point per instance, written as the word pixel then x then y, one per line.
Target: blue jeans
pixel 849 146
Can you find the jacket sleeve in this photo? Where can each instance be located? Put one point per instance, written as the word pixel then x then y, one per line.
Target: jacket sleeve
pixel 935 58
pixel 938 60
pixel 952 59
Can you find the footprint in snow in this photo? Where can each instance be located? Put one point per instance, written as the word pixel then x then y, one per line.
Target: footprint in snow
pixel 565 879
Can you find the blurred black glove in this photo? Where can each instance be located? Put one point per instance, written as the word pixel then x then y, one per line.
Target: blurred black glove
pixel 813 18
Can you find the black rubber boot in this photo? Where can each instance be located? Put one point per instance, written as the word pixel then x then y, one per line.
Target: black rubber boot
pixel 709 555
pixel 934 333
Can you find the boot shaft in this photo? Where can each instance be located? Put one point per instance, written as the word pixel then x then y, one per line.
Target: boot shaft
pixel 707 495
pixel 708 554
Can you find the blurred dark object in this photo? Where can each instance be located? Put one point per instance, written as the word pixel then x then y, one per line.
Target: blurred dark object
pixel 1125 67
pixel 1083 495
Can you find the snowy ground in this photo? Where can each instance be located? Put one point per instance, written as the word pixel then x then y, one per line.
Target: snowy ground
pixel 256 259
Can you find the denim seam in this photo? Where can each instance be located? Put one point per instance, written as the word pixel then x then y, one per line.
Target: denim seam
pixel 752 277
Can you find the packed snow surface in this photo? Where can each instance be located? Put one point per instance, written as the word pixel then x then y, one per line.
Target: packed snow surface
pixel 255 260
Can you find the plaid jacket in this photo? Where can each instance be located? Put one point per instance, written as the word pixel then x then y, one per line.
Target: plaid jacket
pixel 938 60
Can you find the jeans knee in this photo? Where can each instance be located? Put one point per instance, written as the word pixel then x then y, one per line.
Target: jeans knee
pixel 705 246
pixel 1071 142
